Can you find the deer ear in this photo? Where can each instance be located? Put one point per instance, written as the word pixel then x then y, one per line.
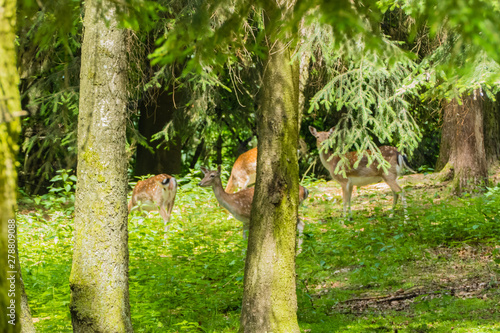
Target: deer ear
pixel 204 170
pixel 218 168
pixel 313 130
pixel 331 131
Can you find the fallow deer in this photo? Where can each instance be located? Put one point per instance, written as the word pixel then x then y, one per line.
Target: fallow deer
pixel 157 192
pixel 362 174
pixel 243 172
pixel 239 204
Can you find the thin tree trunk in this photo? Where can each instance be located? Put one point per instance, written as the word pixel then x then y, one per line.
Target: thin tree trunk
pixel 13 300
pixel 197 153
pixel 305 58
pixel 99 274
pixel 218 152
pixel 269 300
pixel 166 156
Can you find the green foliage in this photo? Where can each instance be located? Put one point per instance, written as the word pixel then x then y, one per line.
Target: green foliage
pixel 373 90
pixel 50 36
pixel 61 194
pixel 193 281
pixel 458 58
pixel 470 72
pixel 476 21
pixel 64 184
pixel 54 21
pixel 49 67
pixel 45 241
pixel 212 51
pixel 50 137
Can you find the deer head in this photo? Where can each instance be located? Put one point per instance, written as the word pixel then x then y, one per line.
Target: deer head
pixel 320 136
pixel 209 176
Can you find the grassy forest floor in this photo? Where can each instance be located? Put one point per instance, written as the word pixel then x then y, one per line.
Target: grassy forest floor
pixel 436 272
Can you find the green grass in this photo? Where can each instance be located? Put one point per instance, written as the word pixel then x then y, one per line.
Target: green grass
pixel 194 281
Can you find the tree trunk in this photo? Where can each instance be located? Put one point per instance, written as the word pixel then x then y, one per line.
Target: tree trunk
pixel 166 156
pixel 462 152
pixel 197 153
pixel 13 300
pixel 218 150
pixel 471 172
pixel 269 300
pixel 27 325
pixel 492 130
pixel 447 149
pixel 305 58
pixel 99 274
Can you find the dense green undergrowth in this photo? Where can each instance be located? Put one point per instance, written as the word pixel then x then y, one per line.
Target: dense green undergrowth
pixel 446 249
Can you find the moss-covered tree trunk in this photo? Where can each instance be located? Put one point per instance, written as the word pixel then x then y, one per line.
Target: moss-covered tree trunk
pixel 462 153
pixel 16 316
pixel 99 274
pixel 269 300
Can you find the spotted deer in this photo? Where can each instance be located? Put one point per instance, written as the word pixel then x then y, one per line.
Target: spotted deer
pixel 157 192
pixel 363 174
pixel 243 172
pixel 239 204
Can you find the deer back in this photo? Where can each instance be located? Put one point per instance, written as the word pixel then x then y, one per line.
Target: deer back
pixel 243 170
pixel 364 174
pixel 155 191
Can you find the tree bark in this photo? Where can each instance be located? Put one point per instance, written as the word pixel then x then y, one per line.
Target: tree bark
pixel 462 152
pixel 305 58
pixel 269 300
pixel 27 325
pixel 218 150
pixel 447 149
pixel 99 274
pixel 166 156
pixel 13 300
pixel 471 171
pixel 492 130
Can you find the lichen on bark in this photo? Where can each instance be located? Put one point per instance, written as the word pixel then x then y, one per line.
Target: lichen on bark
pixel 269 300
pixel 99 274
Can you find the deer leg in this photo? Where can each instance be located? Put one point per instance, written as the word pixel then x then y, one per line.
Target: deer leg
pixel 395 196
pixel 346 198
pixel 170 206
pixel 166 218
pixel 300 229
pixel 397 191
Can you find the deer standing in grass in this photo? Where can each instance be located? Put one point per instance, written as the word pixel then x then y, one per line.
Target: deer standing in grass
pixel 239 204
pixel 363 174
pixel 157 192
pixel 243 172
